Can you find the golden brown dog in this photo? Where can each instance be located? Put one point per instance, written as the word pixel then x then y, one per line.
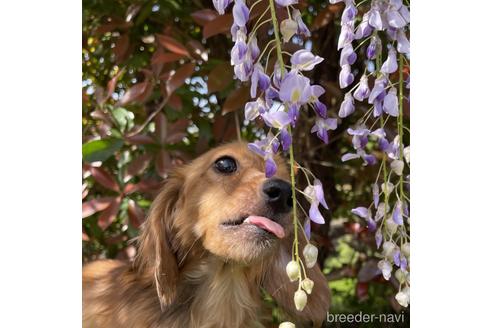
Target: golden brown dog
pixel 217 234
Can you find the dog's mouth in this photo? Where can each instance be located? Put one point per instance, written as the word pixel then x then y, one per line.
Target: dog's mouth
pixel 260 222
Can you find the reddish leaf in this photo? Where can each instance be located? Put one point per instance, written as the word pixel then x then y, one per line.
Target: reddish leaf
pixel 236 100
pixel 165 57
pixel 146 185
pixel 121 47
pixel 175 102
pixel 138 165
pixel 177 131
pixel 172 45
pixel 362 290
pixel 179 77
pixel 224 128
pixel 135 91
pixel 160 128
pixel 100 115
pixel 139 139
pixel 112 84
pixel 221 24
pixel 95 205
pixel 135 213
pixel 162 163
pixel 220 77
pixel 197 50
pixel 201 17
pixel 109 214
pixel 104 178
pixel 85 190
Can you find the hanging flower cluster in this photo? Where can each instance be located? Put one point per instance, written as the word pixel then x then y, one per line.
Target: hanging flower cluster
pixel 384 28
pixel 279 95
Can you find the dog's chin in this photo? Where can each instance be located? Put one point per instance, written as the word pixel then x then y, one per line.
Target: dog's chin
pixel 251 237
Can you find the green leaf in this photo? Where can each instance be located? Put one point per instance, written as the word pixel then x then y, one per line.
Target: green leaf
pixel 100 150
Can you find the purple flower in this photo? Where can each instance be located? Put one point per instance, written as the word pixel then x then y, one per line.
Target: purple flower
pixel 366 158
pixel 390 65
pixel 364 213
pixel 359 137
pixel 346 77
pixel 347 56
pixel 364 29
pixel 270 95
pixel 405 13
pixel 379 87
pixel 253 109
pixel 315 92
pixel 315 196
pixel 240 12
pixel 243 71
pixel 362 91
pixel 375 19
pixel 373 47
pixel 375 194
pixel 277 119
pixel 307 229
pixel 395 19
pixel 403 45
pixel 304 60
pixel 346 35
pixel 396 257
pixel 322 126
pixel 397 213
pixel 266 148
pixel 381 137
pixel 301 27
pixel 379 238
pixel 390 105
pixel 285 139
pixel 288 28
pixel 285 3
pixel 253 48
pixel 239 50
pixel 349 12
pixel 221 5
pixel 294 89
pixel 258 78
pixel 347 106
pixel 293 112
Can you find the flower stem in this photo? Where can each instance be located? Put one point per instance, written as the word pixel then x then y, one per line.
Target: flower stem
pixel 291 148
pixel 400 118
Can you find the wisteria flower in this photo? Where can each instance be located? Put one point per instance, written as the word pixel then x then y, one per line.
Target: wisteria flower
pixel 385 268
pixel 403 45
pixel 346 35
pixel 390 104
pixel 403 297
pixel 294 89
pixel 221 5
pixel 315 91
pixel 373 47
pixel 304 60
pixel 322 126
pixel 368 159
pixel 240 13
pixel 347 55
pixel 390 65
pixel 285 3
pixel 266 148
pixel 347 107
pixel 362 91
pixel 375 19
pixel 395 19
pixel 349 13
pixel 359 137
pixel 288 28
pixel 397 213
pixel 258 79
pixel 346 77
pixel 253 109
pixel 364 29
pixel 301 27
pixel 379 88
pixel 315 196
pixel 365 214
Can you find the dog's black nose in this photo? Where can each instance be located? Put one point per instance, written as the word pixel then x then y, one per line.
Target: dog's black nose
pixel 278 194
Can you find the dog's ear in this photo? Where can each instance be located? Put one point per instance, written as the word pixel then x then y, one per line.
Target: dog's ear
pixel 277 283
pixel 155 252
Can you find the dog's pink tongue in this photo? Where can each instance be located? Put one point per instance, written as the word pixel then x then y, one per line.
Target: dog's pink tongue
pixel 266 224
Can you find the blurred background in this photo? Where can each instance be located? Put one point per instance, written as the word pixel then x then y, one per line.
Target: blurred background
pixel 158 90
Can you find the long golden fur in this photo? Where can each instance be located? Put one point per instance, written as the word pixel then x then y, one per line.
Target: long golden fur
pixel 191 270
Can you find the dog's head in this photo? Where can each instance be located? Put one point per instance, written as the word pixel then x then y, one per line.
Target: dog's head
pixel 221 204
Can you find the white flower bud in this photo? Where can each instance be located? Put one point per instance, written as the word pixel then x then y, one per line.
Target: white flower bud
pixel 390 226
pixel 287 324
pixel 400 276
pixel 405 249
pixel 388 247
pixel 403 297
pixel 292 270
pixel 385 268
pixel 288 28
pixel 300 300
pixel 307 284
pixel 387 187
pixel 406 154
pixel 397 166
pixel 310 255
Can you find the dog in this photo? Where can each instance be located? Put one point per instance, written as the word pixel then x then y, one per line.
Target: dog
pixel 217 236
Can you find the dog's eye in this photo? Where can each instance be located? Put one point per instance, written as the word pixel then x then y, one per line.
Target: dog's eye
pixel 226 165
